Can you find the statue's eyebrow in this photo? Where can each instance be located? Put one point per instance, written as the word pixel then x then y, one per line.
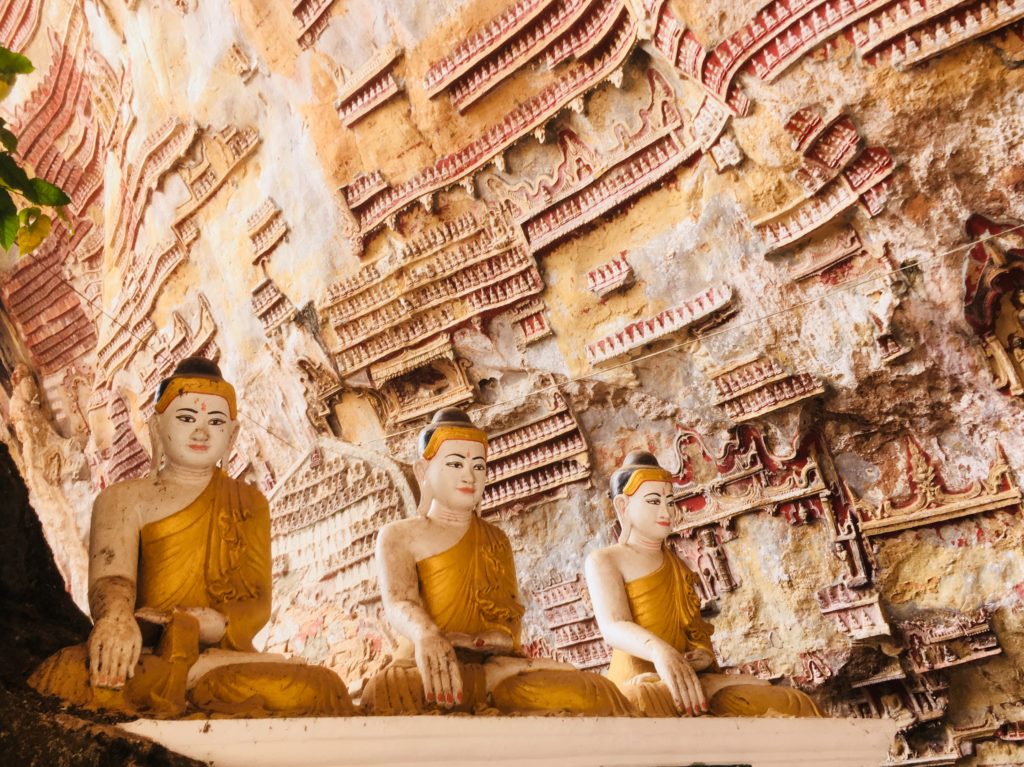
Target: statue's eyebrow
pixel 187 409
pixel 218 412
pixel 456 455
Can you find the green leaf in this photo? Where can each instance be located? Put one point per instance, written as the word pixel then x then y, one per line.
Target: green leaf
pixel 44 193
pixel 12 63
pixel 32 234
pixel 9 140
pixel 12 176
pixel 8 220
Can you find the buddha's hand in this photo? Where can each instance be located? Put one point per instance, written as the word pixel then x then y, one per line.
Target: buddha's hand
pixel 114 647
pixel 681 680
pixel 212 623
pixel 439 669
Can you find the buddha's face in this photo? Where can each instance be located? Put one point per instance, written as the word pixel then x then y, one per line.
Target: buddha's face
pixel 195 430
pixel 456 475
pixel 649 511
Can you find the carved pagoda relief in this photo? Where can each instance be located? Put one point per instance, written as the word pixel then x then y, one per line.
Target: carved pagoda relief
pixel 570 621
pixel 369 87
pixel 325 514
pixel 529 463
pixel 931 501
pixel 422 380
pixel 219 154
pixel 834 175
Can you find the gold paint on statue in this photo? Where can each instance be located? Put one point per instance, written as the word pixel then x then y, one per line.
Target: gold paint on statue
pixel 481 597
pixel 185 556
pixel 666 604
pixel 212 553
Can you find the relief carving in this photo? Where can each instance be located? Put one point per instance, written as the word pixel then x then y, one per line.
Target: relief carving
pixel 218 155
pixel 530 461
pixel 707 308
pixel 369 87
pixel 932 502
pixel 570 618
pixel 588 183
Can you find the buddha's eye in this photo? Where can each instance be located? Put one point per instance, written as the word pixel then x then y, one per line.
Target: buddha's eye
pixel 454 464
pixel 185 418
pixel 216 422
pixel 479 467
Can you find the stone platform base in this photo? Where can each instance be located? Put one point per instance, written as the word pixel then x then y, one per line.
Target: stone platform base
pixel 513 741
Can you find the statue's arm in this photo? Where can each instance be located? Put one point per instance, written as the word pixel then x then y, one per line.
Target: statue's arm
pixel 399 586
pixel 115 640
pixel 611 609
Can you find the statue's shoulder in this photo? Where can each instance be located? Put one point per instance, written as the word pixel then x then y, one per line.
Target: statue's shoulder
pixel 403 529
pixel 608 558
pixel 127 491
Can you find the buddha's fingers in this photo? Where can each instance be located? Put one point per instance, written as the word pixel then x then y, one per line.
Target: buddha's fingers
pixel 94 662
pixel 696 692
pixel 446 695
pixel 119 668
pixel 677 686
pixel 454 678
pixel 133 660
pixel 432 687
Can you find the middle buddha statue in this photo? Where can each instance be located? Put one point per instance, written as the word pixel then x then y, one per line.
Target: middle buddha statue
pixel 448 583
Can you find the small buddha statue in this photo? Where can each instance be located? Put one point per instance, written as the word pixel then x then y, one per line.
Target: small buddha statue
pixel 448 583
pixel 648 611
pixel 179 581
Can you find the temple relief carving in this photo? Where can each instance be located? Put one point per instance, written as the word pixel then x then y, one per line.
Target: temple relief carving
pixel 931 501
pixel 369 87
pixel 219 153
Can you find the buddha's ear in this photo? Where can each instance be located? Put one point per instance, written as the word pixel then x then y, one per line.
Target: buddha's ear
pixel 619 503
pixel 419 470
pixel 156 448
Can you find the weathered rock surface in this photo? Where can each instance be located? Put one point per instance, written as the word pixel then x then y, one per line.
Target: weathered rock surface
pixel 367 211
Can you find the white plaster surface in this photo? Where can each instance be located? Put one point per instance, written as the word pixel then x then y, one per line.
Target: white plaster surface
pixel 509 741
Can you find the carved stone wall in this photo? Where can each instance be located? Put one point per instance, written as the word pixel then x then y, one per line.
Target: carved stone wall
pixel 775 243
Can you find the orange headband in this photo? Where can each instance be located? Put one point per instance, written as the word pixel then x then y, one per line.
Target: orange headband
pixel 197 385
pixel 646 474
pixel 442 433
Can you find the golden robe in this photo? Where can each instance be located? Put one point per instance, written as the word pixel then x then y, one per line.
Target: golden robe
pixel 469 589
pixel 213 553
pixel 665 603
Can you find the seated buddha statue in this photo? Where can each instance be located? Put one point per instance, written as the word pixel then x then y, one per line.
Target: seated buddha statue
pixel 448 583
pixel 648 611
pixel 179 581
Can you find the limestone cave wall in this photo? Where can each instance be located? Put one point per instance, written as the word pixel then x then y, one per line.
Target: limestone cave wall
pixel 779 244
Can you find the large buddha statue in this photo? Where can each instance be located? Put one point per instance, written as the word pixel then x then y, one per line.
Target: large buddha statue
pixel 648 611
pixel 449 589
pixel 179 581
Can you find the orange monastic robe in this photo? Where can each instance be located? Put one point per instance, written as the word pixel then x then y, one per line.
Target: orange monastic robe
pixel 469 589
pixel 214 553
pixel 665 603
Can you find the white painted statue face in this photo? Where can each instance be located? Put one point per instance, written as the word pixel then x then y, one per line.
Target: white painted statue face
pixel 456 475
pixel 196 430
pixel 650 511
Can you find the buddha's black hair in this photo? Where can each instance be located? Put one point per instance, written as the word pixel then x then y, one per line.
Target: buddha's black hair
pixel 193 367
pixel 449 416
pixel 637 459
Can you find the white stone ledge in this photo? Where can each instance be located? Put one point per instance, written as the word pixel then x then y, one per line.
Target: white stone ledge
pixel 513 741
